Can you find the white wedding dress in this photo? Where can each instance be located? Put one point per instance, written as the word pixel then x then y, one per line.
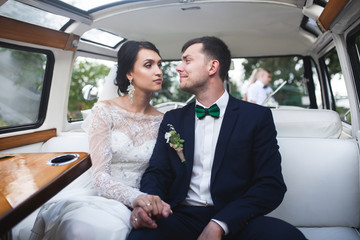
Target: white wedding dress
pixel 121 144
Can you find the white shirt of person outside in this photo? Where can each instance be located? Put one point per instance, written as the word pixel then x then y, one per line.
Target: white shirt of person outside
pixel 259 89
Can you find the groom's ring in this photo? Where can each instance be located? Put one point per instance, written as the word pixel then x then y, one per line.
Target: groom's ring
pixel 135 220
pixel 148 204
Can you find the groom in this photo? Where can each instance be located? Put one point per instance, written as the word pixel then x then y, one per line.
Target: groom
pixel 231 176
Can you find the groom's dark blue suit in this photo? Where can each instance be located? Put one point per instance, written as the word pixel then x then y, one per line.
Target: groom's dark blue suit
pixel 246 178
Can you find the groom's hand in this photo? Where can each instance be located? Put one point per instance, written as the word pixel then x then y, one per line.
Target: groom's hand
pixel 140 219
pixel 212 231
pixel 152 205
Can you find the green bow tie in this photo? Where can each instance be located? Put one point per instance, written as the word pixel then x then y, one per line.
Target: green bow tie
pixel 201 112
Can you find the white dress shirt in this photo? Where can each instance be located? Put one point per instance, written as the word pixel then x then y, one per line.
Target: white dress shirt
pixel 206 136
pixel 258 92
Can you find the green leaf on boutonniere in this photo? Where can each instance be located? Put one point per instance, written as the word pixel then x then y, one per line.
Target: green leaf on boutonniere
pixel 175 141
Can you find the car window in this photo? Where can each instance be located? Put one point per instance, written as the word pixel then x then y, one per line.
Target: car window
pixel 88 75
pixel 339 95
pixel 23 12
pixel 289 69
pixel 25 76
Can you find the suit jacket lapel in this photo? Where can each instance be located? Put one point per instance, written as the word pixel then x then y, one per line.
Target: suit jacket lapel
pixel 230 118
pixel 189 137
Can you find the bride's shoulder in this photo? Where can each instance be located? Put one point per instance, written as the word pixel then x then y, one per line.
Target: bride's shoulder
pixel 155 112
pixel 111 103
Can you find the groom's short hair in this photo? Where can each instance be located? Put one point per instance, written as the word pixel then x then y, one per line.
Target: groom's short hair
pixel 213 48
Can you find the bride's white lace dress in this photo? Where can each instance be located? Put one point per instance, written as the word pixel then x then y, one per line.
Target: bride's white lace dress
pixel 121 144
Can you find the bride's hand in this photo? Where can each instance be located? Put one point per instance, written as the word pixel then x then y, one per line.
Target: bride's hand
pixel 152 205
pixel 140 219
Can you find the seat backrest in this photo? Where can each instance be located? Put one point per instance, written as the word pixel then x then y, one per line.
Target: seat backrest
pixel 67 142
pixel 309 123
pixel 322 177
pixel 164 107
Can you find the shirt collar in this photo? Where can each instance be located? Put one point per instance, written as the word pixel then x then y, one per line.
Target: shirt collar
pixel 260 83
pixel 221 102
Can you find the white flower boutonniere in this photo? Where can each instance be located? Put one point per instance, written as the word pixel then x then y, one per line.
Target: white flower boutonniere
pixel 174 140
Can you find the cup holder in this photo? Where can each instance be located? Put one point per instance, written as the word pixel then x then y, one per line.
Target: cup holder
pixel 63 159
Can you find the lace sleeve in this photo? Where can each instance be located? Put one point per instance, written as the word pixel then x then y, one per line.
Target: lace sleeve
pixel 100 150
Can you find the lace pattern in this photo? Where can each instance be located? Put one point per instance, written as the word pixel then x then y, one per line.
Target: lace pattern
pixel 121 144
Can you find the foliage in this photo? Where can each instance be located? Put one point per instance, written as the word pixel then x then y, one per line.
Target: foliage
pixel 3 123
pixel 31 69
pixel 84 73
pixel 332 62
pixel 234 91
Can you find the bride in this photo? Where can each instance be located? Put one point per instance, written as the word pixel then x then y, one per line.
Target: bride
pixel 122 133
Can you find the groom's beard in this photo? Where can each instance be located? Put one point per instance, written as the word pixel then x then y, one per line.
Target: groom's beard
pixel 194 87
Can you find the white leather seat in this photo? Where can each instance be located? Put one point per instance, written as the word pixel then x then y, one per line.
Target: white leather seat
pixel 67 142
pixel 323 196
pixel 311 123
pixel 164 107
pixel 330 233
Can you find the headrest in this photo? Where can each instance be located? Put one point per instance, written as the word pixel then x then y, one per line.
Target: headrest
pixel 310 123
pixel 164 107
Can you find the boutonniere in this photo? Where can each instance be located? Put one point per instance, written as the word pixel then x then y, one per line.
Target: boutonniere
pixel 174 140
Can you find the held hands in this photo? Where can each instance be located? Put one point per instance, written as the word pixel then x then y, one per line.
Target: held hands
pixel 140 219
pixel 152 204
pixel 146 209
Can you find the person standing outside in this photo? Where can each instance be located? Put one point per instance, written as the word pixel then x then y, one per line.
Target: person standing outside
pixel 229 175
pixel 259 89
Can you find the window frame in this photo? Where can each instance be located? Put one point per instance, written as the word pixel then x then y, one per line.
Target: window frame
pixel 308 74
pixel 354 58
pixel 44 99
pixel 329 93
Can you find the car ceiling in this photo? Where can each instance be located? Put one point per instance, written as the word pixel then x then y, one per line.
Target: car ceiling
pixel 249 27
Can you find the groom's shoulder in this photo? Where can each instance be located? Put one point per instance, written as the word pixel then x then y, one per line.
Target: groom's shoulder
pixel 178 113
pixel 182 110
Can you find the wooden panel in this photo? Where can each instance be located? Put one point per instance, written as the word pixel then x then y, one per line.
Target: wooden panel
pixel 26 32
pixel 331 10
pixel 27 182
pixel 4 205
pixel 26 139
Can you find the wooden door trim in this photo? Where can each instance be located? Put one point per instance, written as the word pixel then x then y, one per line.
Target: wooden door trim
pixel 26 139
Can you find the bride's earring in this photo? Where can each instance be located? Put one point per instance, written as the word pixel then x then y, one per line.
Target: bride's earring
pixel 131 90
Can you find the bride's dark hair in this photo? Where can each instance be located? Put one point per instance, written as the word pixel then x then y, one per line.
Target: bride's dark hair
pixel 126 59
